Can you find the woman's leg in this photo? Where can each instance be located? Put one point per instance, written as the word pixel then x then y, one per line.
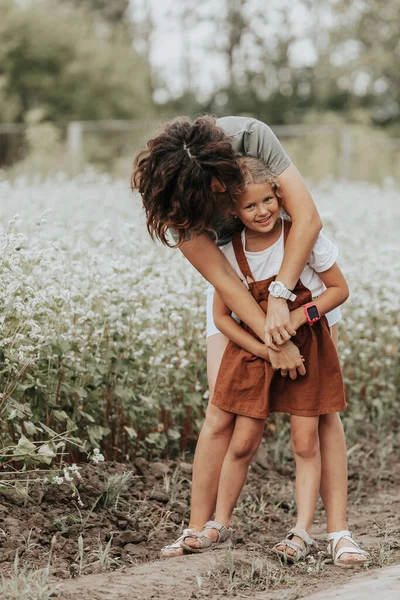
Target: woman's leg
pixel 211 448
pixel 305 444
pixel 246 438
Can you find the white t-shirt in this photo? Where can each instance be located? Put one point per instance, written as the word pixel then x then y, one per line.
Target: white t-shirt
pixel 266 264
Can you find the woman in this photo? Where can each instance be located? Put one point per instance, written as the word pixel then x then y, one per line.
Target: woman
pixel 184 176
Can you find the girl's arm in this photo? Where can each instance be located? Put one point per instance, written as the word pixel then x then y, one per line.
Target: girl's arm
pixel 306 225
pixel 288 359
pixel 233 331
pixel 336 293
pixel 205 256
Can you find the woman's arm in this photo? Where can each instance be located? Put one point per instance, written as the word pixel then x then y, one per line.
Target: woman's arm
pixel 288 360
pixel 336 293
pixel 205 256
pixel 306 225
pixel 233 331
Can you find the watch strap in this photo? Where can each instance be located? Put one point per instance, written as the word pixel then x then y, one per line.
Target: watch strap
pixel 285 293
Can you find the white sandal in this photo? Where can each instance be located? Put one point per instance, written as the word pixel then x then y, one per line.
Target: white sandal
pixel 301 550
pixel 177 544
pixel 353 548
pixel 223 540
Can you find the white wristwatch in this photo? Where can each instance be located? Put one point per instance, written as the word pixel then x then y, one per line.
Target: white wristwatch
pixel 277 289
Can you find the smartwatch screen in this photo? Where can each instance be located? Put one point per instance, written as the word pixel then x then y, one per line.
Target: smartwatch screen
pixel 313 312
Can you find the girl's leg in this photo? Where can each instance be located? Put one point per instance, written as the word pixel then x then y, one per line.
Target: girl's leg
pixel 245 440
pixel 333 465
pixel 334 480
pixel 211 448
pixel 334 472
pixel 305 444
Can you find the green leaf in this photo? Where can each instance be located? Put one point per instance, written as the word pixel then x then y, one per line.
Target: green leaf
pixel 46 454
pixel 153 437
pixel 60 415
pixel 21 491
pixel 24 447
pixel 48 430
pixel 12 415
pixel 30 428
pixel 86 416
pixel 96 433
pixel 131 432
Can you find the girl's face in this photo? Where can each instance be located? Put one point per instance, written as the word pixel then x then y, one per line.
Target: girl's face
pixel 258 208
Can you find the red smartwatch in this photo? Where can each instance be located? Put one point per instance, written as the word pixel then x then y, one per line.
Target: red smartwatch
pixel 312 313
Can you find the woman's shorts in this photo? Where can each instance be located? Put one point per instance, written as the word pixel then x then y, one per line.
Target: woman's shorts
pixel 334 316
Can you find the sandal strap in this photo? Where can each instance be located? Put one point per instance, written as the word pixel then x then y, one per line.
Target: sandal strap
pixel 302 534
pixel 177 543
pixel 293 545
pixel 223 532
pixel 336 536
pixel 350 550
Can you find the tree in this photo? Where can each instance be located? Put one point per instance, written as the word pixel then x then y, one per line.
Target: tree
pixel 111 11
pixel 366 43
pixel 64 64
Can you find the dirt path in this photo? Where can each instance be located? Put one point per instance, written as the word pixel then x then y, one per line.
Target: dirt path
pixel 179 579
pixel 377 526
pixel 169 580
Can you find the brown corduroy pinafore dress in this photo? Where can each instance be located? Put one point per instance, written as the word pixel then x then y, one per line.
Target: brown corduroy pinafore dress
pixel 247 385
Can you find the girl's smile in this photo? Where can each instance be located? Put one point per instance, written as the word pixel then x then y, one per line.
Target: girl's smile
pixel 258 208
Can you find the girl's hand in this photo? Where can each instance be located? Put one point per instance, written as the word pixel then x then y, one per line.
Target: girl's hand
pixel 288 360
pixel 262 351
pixel 278 328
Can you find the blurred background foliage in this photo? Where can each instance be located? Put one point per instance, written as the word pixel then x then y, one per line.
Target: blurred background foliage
pixel 309 62
pixel 55 56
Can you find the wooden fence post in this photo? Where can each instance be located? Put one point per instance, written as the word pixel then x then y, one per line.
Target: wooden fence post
pixel 74 144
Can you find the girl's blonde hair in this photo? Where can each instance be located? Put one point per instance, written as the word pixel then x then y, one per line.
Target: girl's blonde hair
pixel 256 171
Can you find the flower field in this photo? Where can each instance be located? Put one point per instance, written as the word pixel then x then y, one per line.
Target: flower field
pixel 102 330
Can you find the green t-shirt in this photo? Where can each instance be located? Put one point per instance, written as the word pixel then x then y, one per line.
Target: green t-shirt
pixel 250 137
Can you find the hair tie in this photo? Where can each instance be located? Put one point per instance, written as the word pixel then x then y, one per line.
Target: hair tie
pixel 190 155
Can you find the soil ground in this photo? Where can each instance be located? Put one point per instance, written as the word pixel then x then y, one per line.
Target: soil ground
pixel 151 508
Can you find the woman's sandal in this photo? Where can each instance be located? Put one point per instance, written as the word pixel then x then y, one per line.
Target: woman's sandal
pixel 176 545
pixel 352 548
pixel 302 549
pixel 223 540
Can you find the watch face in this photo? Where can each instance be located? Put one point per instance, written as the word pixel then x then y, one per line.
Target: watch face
pixel 313 312
pixel 275 288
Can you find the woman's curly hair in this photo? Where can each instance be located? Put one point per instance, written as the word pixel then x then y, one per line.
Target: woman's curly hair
pixel 174 174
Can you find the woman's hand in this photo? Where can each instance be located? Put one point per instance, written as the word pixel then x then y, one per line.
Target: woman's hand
pixel 288 360
pixel 278 328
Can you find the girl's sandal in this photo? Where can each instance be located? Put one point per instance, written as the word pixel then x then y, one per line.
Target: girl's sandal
pixel 352 548
pixel 223 540
pixel 302 549
pixel 176 545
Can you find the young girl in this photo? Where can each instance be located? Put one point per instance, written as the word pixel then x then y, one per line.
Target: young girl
pixel 249 388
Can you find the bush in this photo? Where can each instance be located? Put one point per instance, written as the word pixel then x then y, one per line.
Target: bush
pixel 102 331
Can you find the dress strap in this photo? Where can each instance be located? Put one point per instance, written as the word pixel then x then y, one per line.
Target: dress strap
pixel 241 257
